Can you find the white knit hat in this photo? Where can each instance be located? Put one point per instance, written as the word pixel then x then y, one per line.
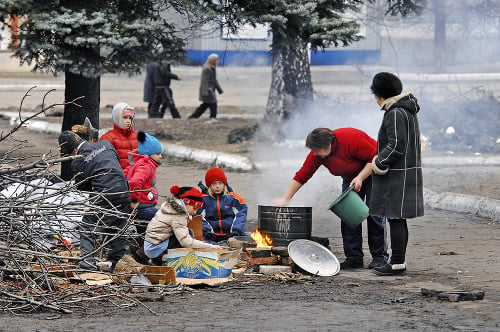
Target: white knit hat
pixel 119 111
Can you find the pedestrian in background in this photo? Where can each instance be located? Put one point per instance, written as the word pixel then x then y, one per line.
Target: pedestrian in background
pixel 122 136
pixel 99 173
pixel 149 87
pixel 397 191
pixel 347 152
pixel 163 96
pixel 208 85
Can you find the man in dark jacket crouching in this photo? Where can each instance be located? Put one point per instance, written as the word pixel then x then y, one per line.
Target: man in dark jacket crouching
pixel 100 174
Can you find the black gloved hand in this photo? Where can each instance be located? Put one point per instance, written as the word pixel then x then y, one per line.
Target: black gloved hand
pixel 204 189
pixel 209 237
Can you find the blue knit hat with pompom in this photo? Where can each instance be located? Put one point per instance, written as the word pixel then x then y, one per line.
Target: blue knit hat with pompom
pixel 148 145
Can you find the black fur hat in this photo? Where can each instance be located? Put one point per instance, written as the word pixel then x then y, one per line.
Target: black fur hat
pixel 386 85
pixel 69 141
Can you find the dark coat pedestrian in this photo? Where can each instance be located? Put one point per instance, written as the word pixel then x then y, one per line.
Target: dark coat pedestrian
pixel 149 86
pixel 163 95
pixel 208 86
pixel 397 191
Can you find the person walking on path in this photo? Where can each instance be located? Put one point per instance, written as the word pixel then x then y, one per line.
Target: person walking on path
pixel 397 191
pixel 163 96
pixel 347 152
pixel 99 173
pixel 149 87
pixel 208 85
pixel 122 136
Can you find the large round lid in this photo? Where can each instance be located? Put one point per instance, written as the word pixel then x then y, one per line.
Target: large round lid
pixel 313 258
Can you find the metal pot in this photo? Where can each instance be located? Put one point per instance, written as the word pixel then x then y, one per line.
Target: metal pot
pixel 285 222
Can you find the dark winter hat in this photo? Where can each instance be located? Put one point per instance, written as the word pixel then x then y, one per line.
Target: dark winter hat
pixel 215 174
pixel 386 85
pixel 190 195
pixel 69 141
pixel 148 145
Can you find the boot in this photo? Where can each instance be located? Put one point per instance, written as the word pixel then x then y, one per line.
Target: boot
pixel 390 270
pixel 157 261
pixel 139 256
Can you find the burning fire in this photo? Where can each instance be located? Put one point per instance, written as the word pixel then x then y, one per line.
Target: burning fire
pixel 262 240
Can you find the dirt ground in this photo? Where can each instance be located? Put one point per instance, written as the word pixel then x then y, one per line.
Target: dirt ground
pixel 446 251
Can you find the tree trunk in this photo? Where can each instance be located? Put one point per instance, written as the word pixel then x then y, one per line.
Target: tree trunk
pixel 291 85
pixel 89 89
pixel 439 35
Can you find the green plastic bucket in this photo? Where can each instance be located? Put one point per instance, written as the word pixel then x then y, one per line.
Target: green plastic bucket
pixel 350 208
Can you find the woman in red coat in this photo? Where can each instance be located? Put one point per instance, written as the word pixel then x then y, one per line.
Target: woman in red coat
pixel 346 152
pixel 122 136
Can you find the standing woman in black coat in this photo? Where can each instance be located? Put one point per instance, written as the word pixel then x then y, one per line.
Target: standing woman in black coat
pixel 397 187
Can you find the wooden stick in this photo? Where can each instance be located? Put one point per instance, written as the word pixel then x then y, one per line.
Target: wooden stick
pixel 48 306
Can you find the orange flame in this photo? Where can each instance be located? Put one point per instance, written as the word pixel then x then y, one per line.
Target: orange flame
pixel 262 240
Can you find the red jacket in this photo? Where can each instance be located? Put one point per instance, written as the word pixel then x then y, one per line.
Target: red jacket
pixel 141 175
pixel 351 150
pixel 124 141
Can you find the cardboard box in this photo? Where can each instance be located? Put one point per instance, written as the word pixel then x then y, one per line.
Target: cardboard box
pixel 201 263
pixel 196 225
pixel 162 275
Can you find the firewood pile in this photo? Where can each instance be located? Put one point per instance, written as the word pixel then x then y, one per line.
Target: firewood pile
pixel 39 236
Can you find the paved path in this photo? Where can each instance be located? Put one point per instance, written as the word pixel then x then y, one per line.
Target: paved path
pixel 246 86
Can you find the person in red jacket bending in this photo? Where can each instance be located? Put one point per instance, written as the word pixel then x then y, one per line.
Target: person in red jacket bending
pixel 141 176
pixel 122 136
pixel 346 152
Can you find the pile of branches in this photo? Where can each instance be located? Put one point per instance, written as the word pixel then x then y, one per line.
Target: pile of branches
pixel 40 219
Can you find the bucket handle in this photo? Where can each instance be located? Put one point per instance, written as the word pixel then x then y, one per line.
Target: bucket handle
pixel 342 195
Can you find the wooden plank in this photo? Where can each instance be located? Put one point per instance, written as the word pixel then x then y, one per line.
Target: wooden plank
pixel 262 260
pixel 259 252
pixel 195 225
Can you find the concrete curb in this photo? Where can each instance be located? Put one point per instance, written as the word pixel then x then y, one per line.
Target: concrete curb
pixel 230 161
pixel 209 157
pixel 481 206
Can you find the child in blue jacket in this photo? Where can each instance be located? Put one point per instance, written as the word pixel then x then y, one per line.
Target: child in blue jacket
pixel 224 213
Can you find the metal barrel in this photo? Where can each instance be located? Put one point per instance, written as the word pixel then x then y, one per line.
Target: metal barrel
pixel 285 222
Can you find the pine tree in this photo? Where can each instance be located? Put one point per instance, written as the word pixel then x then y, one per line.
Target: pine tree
pixel 297 25
pixel 87 38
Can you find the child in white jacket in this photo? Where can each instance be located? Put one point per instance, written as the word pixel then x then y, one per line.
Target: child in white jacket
pixel 171 219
